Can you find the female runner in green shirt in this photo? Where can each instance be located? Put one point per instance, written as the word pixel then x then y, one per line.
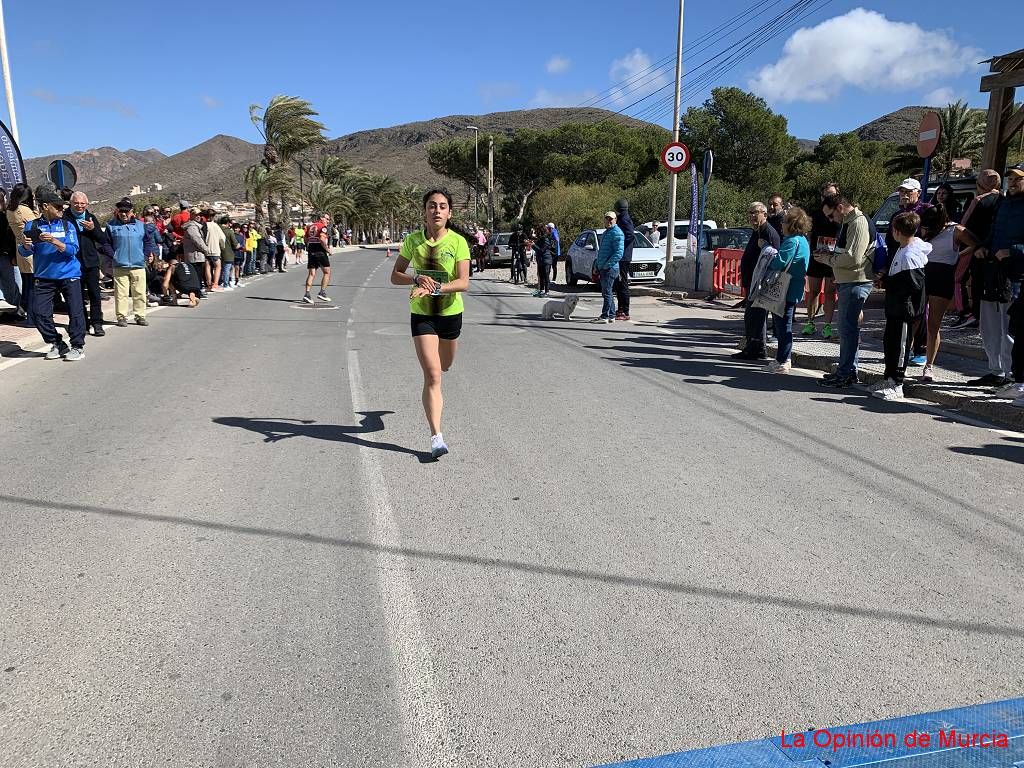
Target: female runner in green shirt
pixel 440 259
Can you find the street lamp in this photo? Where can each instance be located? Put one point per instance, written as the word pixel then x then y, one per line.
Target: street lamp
pixel 476 152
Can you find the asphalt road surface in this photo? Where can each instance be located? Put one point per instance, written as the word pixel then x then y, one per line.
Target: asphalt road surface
pixel 223 543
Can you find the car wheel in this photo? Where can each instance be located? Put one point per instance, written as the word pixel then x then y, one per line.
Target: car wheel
pixel 570 276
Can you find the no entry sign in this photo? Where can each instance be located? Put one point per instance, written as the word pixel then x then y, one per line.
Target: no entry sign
pixel 928 134
pixel 675 157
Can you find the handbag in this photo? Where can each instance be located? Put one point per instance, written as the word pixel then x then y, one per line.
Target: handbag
pixel 772 292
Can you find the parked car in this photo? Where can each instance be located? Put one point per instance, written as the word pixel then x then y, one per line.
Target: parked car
pixel 963 190
pixel 499 253
pixel 734 237
pixel 648 263
pixel 681 234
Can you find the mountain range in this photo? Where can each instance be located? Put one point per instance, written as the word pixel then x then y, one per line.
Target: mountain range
pixel 214 170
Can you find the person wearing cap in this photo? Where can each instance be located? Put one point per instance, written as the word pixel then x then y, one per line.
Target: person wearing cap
pixel 133 241
pixel 1002 264
pixel 195 248
pixel 909 191
pixel 607 265
pixel 180 219
pixel 92 241
pixel 52 243
pixel 625 223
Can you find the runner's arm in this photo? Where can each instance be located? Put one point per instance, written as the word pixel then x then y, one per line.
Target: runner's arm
pixel 460 283
pixel 398 274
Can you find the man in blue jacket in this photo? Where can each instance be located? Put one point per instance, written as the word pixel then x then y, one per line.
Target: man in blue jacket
pixel 607 265
pixel 133 240
pixel 556 249
pixel 53 244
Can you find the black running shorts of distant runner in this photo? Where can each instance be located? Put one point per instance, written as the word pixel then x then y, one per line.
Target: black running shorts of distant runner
pixel 317 258
pixel 939 279
pixel 446 327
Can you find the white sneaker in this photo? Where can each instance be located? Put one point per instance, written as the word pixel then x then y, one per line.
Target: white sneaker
pixel 774 366
pixel 880 385
pixel 437 446
pixel 927 374
pixel 228 288
pixel 895 392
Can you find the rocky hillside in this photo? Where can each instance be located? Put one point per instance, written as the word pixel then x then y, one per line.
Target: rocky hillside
pixel 899 126
pixel 95 167
pixel 401 151
pixel 214 170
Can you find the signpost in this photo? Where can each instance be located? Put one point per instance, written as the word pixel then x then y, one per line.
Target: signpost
pixel 928 135
pixel 709 160
pixel 675 157
pixel 62 174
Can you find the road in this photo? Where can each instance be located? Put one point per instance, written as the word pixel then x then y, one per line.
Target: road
pixel 223 544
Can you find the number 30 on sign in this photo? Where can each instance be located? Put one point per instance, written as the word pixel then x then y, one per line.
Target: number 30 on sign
pixel 675 157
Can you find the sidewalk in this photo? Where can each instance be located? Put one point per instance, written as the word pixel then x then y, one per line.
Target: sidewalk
pixel 18 341
pixel 960 358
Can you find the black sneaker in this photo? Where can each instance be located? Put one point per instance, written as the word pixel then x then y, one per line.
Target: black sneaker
pixel 122 322
pixel 97 330
pixel 988 380
pixel 748 354
pixel 839 382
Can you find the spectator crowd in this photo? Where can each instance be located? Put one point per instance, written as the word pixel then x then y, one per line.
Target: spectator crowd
pixel 57 252
pixel 933 259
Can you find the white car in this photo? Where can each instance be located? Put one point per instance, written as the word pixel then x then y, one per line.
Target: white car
pixel 681 235
pixel 648 265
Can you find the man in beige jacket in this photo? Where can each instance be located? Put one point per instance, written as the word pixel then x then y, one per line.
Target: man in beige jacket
pixel 852 263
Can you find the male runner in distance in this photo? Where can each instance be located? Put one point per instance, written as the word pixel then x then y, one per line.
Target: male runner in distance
pixel 318 256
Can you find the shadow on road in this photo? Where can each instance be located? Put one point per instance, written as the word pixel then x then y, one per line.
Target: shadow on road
pixel 1011 450
pixel 758 600
pixel 275 430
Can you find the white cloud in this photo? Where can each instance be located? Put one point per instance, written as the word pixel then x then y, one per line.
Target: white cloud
pixel 86 102
pixel 864 49
pixel 498 91
pixel 557 65
pixel 633 68
pixel 940 97
pixel 210 102
pixel 546 98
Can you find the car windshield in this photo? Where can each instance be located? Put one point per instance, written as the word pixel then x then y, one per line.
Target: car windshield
pixel 727 238
pixel 639 240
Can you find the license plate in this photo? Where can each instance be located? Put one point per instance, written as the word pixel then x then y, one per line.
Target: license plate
pixel 643 274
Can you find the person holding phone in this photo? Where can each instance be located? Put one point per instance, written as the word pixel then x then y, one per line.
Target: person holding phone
pixel 440 258
pixel 52 243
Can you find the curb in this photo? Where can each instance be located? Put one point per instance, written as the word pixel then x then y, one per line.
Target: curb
pixel 998 412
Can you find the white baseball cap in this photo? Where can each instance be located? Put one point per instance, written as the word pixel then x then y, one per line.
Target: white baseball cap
pixel 911 184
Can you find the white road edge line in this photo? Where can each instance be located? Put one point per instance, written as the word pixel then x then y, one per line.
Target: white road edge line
pixel 425 720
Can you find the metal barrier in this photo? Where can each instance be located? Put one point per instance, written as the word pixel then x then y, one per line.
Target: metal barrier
pixel 727 276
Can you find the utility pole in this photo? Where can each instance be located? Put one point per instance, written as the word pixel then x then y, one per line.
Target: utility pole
pixel 490 184
pixel 476 151
pixel 8 87
pixel 671 230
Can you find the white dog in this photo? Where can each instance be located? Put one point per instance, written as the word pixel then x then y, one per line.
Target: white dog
pixel 564 308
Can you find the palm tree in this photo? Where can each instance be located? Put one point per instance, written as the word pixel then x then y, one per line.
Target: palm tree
pixel 288 127
pixel 332 199
pixel 264 184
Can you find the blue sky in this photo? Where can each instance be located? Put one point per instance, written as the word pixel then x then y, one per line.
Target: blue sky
pixel 152 75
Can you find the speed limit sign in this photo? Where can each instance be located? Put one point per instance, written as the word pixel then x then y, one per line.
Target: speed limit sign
pixel 675 157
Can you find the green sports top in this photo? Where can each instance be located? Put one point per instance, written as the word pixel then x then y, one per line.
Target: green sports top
pixel 442 256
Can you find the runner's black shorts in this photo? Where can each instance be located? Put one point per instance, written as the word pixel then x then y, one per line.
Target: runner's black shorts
pixel 939 279
pixel 317 258
pixel 447 327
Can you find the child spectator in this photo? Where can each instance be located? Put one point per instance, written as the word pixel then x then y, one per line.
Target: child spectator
pixel 904 303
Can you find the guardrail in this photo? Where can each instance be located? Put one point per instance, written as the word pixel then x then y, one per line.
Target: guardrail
pixel 726 277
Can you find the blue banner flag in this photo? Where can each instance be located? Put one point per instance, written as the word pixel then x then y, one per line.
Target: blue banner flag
pixel 12 167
